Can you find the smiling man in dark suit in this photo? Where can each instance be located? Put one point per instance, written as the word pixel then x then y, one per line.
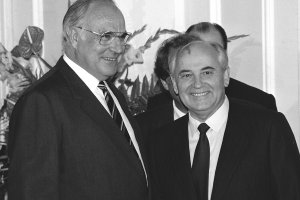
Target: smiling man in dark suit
pixel 213 32
pixel 224 148
pixel 65 141
pixel 167 104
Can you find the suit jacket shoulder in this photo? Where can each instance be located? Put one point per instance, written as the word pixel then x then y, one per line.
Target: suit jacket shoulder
pixel 159 99
pixel 155 118
pixel 258 142
pixel 240 90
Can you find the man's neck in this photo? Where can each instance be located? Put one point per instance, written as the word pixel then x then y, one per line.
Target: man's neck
pixel 177 113
pixel 180 106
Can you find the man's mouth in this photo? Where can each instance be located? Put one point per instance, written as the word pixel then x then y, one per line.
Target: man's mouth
pixel 110 59
pixel 199 94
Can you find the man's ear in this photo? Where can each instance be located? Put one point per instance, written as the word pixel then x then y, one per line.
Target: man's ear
pixel 164 84
pixel 73 36
pixel 226 76
pixel 174 85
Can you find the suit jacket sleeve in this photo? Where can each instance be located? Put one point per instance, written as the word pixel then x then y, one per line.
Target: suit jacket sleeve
pixel 284 160
pixel 33 150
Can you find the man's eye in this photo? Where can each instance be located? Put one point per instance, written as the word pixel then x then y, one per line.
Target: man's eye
pixel 107 36
pixel 185 76
pixel 207 73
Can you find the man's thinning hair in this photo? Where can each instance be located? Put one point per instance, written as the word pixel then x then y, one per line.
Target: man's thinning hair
pixel 75 14
pixel 222 54
pixel 205 27
pixel 161 68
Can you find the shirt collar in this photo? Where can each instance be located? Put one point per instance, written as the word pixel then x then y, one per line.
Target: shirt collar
pixel 86 77
pixel 215 121
pixel 177 112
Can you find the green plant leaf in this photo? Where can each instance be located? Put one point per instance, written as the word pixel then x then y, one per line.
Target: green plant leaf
pixel 31 42
pixel 26 72
pixel 236 37
pixel 157 34
pixel 123 90
pixel 135 91
pixel 137 32
pixel 145 86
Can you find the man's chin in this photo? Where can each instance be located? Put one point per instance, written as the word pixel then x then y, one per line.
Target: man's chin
pixel 111 73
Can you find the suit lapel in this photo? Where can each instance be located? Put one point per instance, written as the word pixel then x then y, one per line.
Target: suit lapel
pixel 134 125
pixel 170 111
pixel 90 105
pixel 233 147
pixel 87 101
pixel 181 156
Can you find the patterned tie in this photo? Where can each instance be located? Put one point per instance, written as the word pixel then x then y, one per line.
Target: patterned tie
pixel 200 168
pixel 114 112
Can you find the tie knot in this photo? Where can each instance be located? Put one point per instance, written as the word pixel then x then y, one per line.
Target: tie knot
pixel 102 85
pixel 203 127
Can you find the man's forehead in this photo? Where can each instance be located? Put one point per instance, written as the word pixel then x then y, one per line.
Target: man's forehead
pixel 201 55
pixel 108 24
pixel 197 49
pixel 105 16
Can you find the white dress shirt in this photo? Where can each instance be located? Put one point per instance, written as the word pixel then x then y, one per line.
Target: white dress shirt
pixel 217 123
pixel 92 83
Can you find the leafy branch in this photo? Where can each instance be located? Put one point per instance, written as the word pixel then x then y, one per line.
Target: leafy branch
pixel 137 32
pixel 156 37
pixel 236 37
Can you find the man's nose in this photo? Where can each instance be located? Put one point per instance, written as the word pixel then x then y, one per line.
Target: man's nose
pixel 117 45
pixel 198 82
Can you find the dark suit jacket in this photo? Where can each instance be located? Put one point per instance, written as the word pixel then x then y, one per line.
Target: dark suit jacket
pixel 64 145
pixel 236 89
pixel 259 158
pixel 155 118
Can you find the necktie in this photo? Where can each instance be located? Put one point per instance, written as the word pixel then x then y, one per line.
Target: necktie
pixel 114 112
pixel 200 168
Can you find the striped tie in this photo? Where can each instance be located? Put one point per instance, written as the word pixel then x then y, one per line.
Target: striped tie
pixel 114 112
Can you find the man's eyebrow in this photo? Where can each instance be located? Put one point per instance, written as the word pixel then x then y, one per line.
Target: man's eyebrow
pixel 184 71
pixel 207 68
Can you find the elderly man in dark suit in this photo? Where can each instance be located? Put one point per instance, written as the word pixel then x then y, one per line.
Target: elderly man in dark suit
pixel 167 105
pixel 71 136
pixel 215 33
pixel 224 148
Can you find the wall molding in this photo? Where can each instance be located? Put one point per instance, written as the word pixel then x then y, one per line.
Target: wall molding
pixel 179 17
pixel 38 13
pixel 1 21
pixel 38 16
pixel 215 11
pixel 7 23
pixel 268 51
pixel 298 62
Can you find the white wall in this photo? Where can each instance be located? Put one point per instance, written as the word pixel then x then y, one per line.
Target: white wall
pixel 267 59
